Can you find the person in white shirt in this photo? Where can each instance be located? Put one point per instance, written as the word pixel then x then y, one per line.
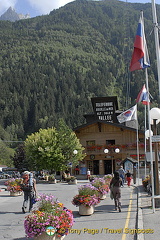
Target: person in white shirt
pixel 88 174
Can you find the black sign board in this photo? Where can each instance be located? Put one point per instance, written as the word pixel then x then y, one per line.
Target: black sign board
pixel 104 108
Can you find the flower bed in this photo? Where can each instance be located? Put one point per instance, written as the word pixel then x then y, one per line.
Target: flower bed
pixel 108 179
pixel 88 196
pixel 92 177
pixel 146 181
pixel 51 177
pixel 101 185
pixel 49 212
pixel 13 185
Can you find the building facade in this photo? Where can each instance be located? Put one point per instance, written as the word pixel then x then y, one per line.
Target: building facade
pixel 107 143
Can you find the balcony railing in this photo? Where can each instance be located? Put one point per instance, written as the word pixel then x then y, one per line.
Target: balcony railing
pixel 123 147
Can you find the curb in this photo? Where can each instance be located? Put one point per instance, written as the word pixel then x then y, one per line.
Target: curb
pixel 140 217
pixel 2 189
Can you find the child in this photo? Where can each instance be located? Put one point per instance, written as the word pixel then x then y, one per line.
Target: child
pixel 128 177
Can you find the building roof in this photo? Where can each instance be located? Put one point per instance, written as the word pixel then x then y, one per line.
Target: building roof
pixel 132 160
pixel 108 123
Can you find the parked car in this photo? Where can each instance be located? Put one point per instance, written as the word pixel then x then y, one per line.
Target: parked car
pixel 4 175
pixel 1 175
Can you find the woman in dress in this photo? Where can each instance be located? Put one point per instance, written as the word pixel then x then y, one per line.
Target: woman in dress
pixel 115 187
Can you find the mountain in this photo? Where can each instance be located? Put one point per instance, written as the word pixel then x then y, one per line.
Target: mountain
pixel 51 66
pixel 11 15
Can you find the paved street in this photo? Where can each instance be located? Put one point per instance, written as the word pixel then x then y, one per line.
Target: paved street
pixel 105 223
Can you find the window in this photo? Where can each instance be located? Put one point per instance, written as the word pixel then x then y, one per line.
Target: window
pixel 141 140
pixel 90 143
pixel 110 142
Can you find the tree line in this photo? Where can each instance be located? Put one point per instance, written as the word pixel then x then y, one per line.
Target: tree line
pixel 51 66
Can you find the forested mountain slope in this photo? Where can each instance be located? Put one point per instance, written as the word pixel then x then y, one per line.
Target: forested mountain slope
pixel 50 66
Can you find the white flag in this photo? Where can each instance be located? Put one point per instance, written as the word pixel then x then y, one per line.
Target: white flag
pixel 128 115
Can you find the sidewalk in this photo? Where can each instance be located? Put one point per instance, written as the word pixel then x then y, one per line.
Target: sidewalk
pixel 104 217
pixel 148 220
pixel 103 224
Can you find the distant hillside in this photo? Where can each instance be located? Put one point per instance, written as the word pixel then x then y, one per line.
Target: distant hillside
pixel 52 65
pixel 11 15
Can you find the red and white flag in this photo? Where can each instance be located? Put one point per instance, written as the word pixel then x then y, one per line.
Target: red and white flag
pixel 140 57
pixel 143 96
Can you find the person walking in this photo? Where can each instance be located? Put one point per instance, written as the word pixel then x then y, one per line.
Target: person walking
pixel 64 176
pixel 122 175
pixel 115 187
pixel 29 189
pixel 129 178
pixel 88 174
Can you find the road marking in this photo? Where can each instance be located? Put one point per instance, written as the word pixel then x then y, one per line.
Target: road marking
pixel 128 216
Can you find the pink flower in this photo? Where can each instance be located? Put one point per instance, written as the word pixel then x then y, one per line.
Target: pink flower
pixel 48 213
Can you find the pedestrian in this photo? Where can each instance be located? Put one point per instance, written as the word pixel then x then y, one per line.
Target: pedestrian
pixel 122 175
pixel 64 176
pixel 68 174
pixel 129 178
pixel 77 170
pixel 28 186
pixel 115 188
pixel 88 174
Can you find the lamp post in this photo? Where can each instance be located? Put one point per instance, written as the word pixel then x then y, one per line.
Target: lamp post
pixel 147 135
pixel 116 150
pixel 155 116
pixel 75 153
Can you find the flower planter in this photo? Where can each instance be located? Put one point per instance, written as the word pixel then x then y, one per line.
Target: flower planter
pixel 15 194
pixel 59 238
pixel 53 181
pixel 102 196
pixel 46 178
pixel 72 182
pixel 86 211
pixel 45 236
pixel 48 206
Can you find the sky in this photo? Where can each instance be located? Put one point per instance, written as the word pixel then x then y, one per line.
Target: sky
pixel 43 7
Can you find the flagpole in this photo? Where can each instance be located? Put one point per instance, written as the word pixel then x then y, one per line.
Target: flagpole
pixel 145 147
pixel 140 60
pixel 150 142
pixel 156 39
pixel 137 149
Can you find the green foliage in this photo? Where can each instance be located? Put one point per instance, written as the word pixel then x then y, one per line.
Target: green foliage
pixel 6 154
pixel 51 149
pixel 19 158
pixel 42 151
pixel 69 142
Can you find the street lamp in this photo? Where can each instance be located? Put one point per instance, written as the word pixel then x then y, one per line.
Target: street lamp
pixel 155 116
pixel 116 150
pixel 147 135
pixel 75 153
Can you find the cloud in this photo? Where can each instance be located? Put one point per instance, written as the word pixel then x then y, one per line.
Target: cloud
pixel 40 6
pixel 45 6
pixel 5 4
